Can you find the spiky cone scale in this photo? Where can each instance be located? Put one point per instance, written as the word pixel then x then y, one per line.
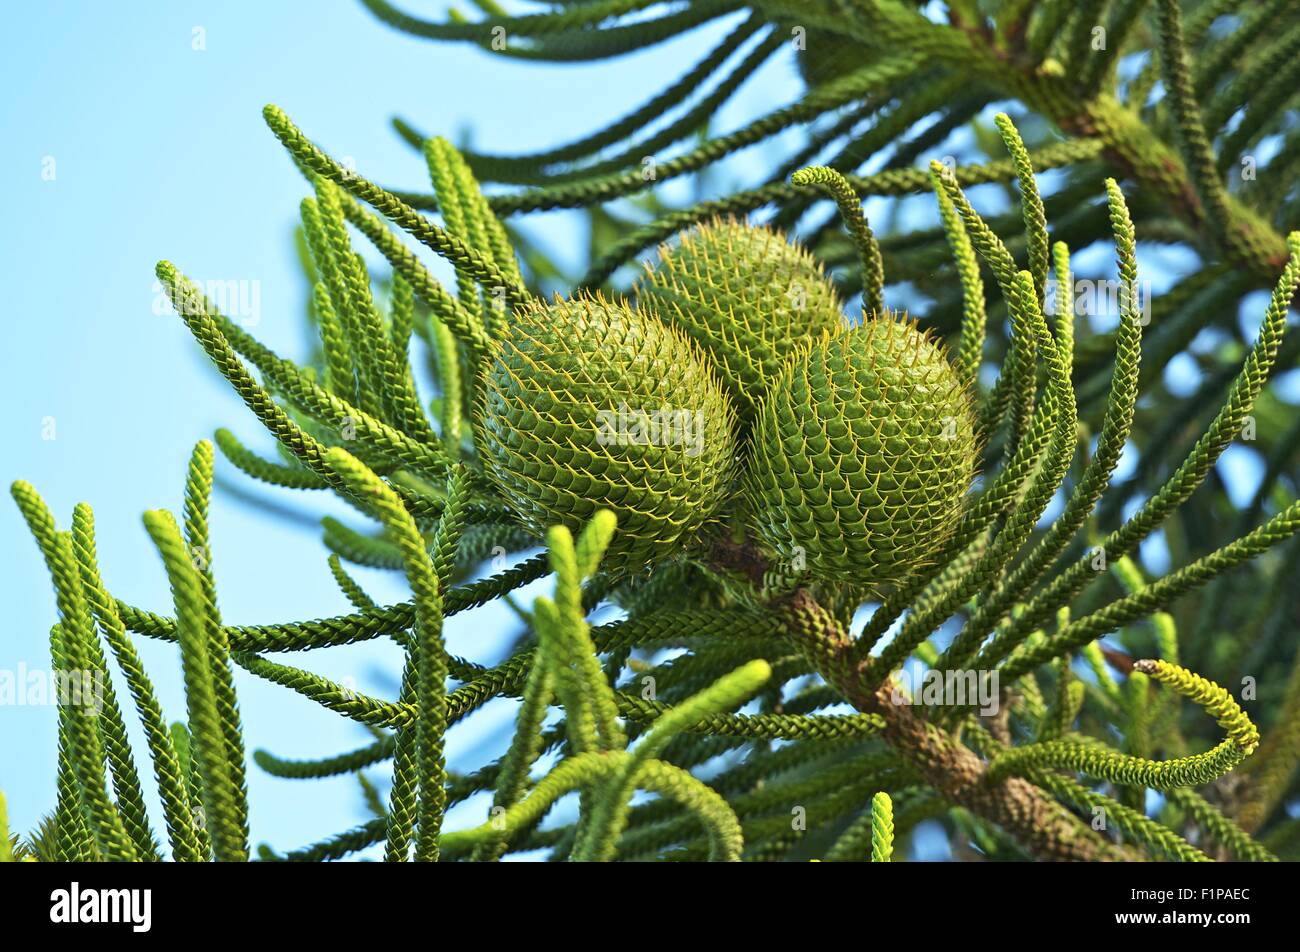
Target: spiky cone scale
pixel 749 297
pixel 589 404
pixel 862 454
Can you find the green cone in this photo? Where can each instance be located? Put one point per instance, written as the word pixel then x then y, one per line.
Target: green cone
pixel 748 297
pixel 862 455
pixel 589 405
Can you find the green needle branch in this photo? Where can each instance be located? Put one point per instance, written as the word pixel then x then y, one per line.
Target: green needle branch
pixel 788 580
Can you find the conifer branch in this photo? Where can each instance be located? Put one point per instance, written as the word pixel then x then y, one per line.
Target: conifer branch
pixel 745 588
pixel 391 207
pixel 219 785
pixel 72 655
pixel 1195 142
pixel 873 269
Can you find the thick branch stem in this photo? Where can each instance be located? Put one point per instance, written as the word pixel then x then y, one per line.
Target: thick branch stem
pixel 1040 824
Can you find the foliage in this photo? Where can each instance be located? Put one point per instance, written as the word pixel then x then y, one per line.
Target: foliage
pixel 772 708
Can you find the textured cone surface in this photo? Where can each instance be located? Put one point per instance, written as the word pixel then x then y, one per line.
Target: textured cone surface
pixel 589 405
pixel 862 455
pixel 748 297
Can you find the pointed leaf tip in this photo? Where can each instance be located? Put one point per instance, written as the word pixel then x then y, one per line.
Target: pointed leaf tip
pixel 757 672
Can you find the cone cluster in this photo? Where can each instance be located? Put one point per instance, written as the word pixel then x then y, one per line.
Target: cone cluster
pixel 851 448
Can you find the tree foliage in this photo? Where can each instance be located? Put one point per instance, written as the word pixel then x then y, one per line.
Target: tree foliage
pixel 785 718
